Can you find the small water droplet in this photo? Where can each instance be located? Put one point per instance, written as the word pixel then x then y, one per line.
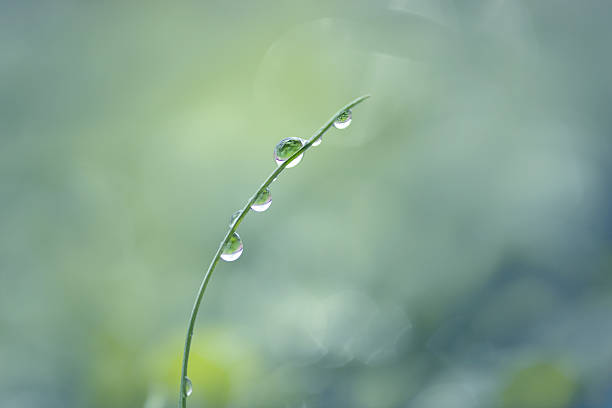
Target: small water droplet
pixel 234 216
pixel 232 248
pixel 318 141
pixel 287 148
pixel 263 201
pixel 344 119
pixel 188 387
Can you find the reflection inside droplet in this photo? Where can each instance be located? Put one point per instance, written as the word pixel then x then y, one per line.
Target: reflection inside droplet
pixel 287 148
pixel 344 119
pixel 232 248
pixel 188 387
pixel 263 201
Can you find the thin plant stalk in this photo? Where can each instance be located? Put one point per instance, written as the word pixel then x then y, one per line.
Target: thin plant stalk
pixel 232 229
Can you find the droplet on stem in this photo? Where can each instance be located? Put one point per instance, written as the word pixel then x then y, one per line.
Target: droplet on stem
pixel 263 201
pixel 232 248
pixel 188 387
pixel 287 148
pixel 317 142
pixel 344 119
pixel 234 216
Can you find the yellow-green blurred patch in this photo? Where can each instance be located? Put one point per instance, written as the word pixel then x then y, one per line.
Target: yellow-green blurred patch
pixel 541 385
pixel 221 367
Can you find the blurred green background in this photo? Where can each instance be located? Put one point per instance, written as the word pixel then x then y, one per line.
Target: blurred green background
pixel 451 248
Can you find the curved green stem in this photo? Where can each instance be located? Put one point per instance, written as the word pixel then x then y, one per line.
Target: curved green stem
pixel 232 229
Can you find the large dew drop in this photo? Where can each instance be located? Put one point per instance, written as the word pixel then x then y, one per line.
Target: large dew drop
pixel 188 387
pixel 232 248
pixel 263 201
pixel 343 120
pixel 286 148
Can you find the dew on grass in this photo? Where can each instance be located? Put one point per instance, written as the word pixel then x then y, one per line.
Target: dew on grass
pixel 287 148
pixel 263 201
pixel 234 216
pixel 232 248
pixel 188 387
pixel 343 120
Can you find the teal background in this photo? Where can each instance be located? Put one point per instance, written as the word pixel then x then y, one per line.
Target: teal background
pixel 451 248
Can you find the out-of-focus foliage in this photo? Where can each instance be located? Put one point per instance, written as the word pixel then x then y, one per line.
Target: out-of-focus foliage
pixel 451 248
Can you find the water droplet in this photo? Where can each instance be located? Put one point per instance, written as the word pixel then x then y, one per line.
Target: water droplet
pixel 188 387
pixel 286 148
pixel 343 119
pixel 263 201
pixel 232 248
pixel 317 142
pixel 234 216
